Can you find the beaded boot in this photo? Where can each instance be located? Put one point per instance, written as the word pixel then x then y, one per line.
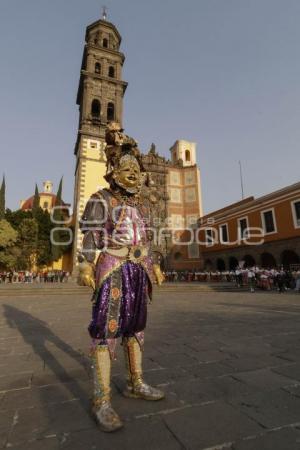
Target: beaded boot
pixel 104 414
pixel 136 387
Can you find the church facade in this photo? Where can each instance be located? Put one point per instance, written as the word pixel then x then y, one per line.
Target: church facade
pixel 177 181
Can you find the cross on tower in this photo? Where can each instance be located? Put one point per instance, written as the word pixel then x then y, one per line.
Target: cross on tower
pixel 104 12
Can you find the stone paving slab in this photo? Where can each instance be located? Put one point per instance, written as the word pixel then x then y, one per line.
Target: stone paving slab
pixel 274 440
pixel 249 363
pixel 145 434
pixel 265 379
pixel 229 364
pixel 201 427
pixel 276 409
pixel 224 387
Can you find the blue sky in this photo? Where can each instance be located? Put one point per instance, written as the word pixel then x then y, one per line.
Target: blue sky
pixel 222 73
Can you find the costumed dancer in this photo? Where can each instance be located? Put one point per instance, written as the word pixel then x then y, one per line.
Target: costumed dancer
pixel 116 221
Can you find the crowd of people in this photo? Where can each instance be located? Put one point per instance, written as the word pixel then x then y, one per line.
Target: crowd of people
pixel 26 276
pixel 254 277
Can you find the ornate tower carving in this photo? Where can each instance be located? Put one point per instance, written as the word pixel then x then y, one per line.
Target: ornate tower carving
pixel 100 100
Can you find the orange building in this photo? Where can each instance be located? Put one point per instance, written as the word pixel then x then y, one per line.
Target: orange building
pixel 184 205
pixel 263 231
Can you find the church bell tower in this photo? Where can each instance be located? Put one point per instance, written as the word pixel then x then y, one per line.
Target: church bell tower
pixel 100 100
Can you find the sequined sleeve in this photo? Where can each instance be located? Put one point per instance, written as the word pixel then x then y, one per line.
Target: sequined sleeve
pixel 91 225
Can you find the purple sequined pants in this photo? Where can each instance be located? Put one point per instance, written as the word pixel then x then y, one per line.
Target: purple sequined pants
pixel 133 307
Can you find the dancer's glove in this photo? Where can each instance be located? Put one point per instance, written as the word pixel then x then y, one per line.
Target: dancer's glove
pixel 160 278
pixel 86 276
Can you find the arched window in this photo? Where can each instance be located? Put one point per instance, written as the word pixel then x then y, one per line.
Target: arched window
pixel 46 205
pixel 111 72
pixel 105 43
pixel 96 109
pixel 110 111
pixel 187 155
pixel 97 68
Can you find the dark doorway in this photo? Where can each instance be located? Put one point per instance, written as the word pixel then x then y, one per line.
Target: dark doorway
pixel 233 263
pixel 249 261
pixel 208 265
pixel 221 264
pixel 267 260
pixel 289 257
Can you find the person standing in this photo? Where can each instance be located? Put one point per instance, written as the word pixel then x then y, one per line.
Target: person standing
pixel 114 222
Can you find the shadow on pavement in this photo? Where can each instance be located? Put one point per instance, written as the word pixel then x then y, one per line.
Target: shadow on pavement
pixel 37 334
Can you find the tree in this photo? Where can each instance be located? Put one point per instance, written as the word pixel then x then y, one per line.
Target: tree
pixel 8 235
pixel 43 244
pixel 60 234
pixel 36 201
pixel 27 242
pixel 2 199
pixel 43 255
pixel 15 217
pixel 8 239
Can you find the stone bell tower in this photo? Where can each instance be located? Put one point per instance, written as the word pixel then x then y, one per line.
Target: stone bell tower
pixel 100 100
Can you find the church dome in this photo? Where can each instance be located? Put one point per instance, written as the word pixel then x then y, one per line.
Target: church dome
pixel 47 199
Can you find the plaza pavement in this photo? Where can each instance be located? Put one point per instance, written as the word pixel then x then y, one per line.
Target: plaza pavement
pixel 229 363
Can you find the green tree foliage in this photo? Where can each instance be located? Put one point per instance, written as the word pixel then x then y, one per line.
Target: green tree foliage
pixel 2 199
pixel 27 242
pixel 36 201
pixel 43 255
pixel 8 240
pixel 8 235
pixel 60 234
pixel 16 217
pixel 43 245
pixel 34 233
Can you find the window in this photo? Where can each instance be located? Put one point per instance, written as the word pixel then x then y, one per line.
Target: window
pixel 296 213
pixel 96 108
pixel 46 205
pixel 97 68
pixel 111 72
pixel 190 195
pixel 110 111
pixel 193 250
pixel 209 237
pixel 189 178
pixel 187 155
pixel 93 145
pixel 177 221
pixel 243 228
pixel 175 178
pixel 223 233
pixel 268 221
pixel 105 43
pixel 175 195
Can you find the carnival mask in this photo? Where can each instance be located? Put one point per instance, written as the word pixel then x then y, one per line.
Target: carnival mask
pixel 128 174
